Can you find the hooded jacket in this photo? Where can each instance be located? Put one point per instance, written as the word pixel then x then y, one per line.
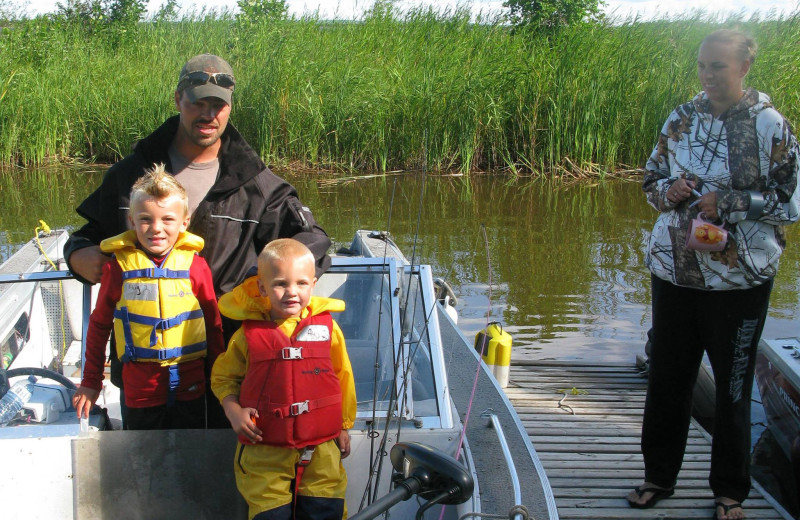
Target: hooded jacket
pixel 246 303
pixel 748 156
pixel 247 207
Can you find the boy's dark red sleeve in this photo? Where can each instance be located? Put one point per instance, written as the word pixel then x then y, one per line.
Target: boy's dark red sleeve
pixel 203 287
pixel 101 324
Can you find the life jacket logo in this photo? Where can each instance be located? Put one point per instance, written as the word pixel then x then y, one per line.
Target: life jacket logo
pixel 314 333
pixel 147 292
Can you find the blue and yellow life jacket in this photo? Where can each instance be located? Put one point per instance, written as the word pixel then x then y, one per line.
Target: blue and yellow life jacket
pixel 158 318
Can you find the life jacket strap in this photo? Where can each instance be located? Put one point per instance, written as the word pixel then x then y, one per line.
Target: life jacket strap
pixel 289 353
pixel 299 468
pixel 154 272
pixel 174 379
pixel 162 354
pixel 123 316
pixel 294 409
pixel 157 323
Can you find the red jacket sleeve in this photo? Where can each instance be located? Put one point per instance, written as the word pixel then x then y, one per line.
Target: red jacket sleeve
pixel 203 287
pixel 101 324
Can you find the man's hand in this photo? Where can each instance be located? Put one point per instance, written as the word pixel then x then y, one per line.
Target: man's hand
pixel 88 263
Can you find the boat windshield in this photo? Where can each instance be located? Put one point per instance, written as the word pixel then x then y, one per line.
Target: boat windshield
pixel 385 319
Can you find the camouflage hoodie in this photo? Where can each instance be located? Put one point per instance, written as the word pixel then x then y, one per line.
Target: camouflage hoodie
pixel 747 153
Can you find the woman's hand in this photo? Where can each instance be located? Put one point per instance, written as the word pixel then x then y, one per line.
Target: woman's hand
pixel 680 190
pixel 707 205
pixel 243 420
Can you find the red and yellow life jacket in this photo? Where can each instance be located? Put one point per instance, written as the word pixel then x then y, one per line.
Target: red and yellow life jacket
pixel 158 318
pixel 292 383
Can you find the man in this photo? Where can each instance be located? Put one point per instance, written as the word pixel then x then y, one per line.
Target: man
pixel 237 204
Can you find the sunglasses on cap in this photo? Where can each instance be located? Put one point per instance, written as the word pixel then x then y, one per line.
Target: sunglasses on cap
pixel 200 77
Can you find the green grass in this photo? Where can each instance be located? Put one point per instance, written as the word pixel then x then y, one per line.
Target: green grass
pixel 391 91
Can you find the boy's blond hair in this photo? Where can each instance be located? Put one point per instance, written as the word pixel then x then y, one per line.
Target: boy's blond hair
pixel 282 249
pixel 158 184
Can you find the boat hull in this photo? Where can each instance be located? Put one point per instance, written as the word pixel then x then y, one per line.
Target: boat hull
pixel 777 378
pixel 189 473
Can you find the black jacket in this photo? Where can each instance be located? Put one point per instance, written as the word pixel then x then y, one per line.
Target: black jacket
pixel 247 207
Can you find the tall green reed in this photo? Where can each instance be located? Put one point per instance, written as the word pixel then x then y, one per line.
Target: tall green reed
pixel 393 90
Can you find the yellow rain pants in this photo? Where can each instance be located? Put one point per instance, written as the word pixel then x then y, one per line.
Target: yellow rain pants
pixel 264 476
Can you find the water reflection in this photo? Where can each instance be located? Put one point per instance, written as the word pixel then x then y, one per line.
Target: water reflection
pixel 561 266
pixel 567 275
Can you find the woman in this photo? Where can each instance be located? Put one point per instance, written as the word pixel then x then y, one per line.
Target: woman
pixel 729 155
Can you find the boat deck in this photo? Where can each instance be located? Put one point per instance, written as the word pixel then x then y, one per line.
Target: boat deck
pixel 588 443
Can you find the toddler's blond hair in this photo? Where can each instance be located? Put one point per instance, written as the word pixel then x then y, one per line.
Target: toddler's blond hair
pixel 282 249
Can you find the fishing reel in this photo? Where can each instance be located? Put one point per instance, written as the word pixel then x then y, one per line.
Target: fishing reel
pixel 424 471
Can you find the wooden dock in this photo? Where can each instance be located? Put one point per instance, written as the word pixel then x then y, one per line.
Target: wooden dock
pixel 585 422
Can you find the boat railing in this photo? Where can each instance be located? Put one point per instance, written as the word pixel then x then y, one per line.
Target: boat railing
pixel 494 421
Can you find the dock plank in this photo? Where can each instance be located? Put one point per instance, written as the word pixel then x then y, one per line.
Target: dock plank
pixel 589 443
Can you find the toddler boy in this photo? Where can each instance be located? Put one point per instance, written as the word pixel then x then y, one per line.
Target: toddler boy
pixel 287 388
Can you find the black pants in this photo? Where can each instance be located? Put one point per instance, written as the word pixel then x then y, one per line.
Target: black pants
pixel 181 415
pixel 214 414
pixel 686 322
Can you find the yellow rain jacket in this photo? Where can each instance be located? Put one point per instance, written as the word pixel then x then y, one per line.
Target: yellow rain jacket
pixel 246 303
pixel 263 472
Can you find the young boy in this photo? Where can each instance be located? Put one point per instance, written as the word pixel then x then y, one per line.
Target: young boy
pixel 159 297
pixel 287 388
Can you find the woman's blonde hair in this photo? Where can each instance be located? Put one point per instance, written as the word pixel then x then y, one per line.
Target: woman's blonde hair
pixel 159 184
pixel 745 45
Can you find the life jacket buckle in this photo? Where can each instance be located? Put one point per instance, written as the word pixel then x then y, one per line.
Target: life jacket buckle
pixel 305 457
pixel 292 353
pixel 298 408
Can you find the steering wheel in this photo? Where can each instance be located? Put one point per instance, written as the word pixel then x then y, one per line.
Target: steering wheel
pixel 443 289
pixel 42 372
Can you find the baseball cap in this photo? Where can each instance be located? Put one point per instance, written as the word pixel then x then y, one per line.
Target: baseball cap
pixel 207 75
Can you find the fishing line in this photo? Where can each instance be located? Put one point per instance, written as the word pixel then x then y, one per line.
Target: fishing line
pixel 483 345
pixel 480 357
pixel 400 351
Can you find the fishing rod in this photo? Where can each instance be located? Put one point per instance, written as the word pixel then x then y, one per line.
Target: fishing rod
pixel 375 472
pixel 369 495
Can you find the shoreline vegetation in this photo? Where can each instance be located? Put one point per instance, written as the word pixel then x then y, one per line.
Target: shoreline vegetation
pixel 394 91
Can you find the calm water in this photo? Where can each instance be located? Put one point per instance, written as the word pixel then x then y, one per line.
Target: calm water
pixel 561 265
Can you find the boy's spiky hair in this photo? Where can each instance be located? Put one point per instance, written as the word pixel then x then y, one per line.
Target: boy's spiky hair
pixel 159 184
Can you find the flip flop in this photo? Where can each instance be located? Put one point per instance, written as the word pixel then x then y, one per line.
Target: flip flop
pixel 658 494
pixel 725 508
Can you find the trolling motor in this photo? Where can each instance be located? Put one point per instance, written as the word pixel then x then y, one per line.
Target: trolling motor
pixel 421 470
